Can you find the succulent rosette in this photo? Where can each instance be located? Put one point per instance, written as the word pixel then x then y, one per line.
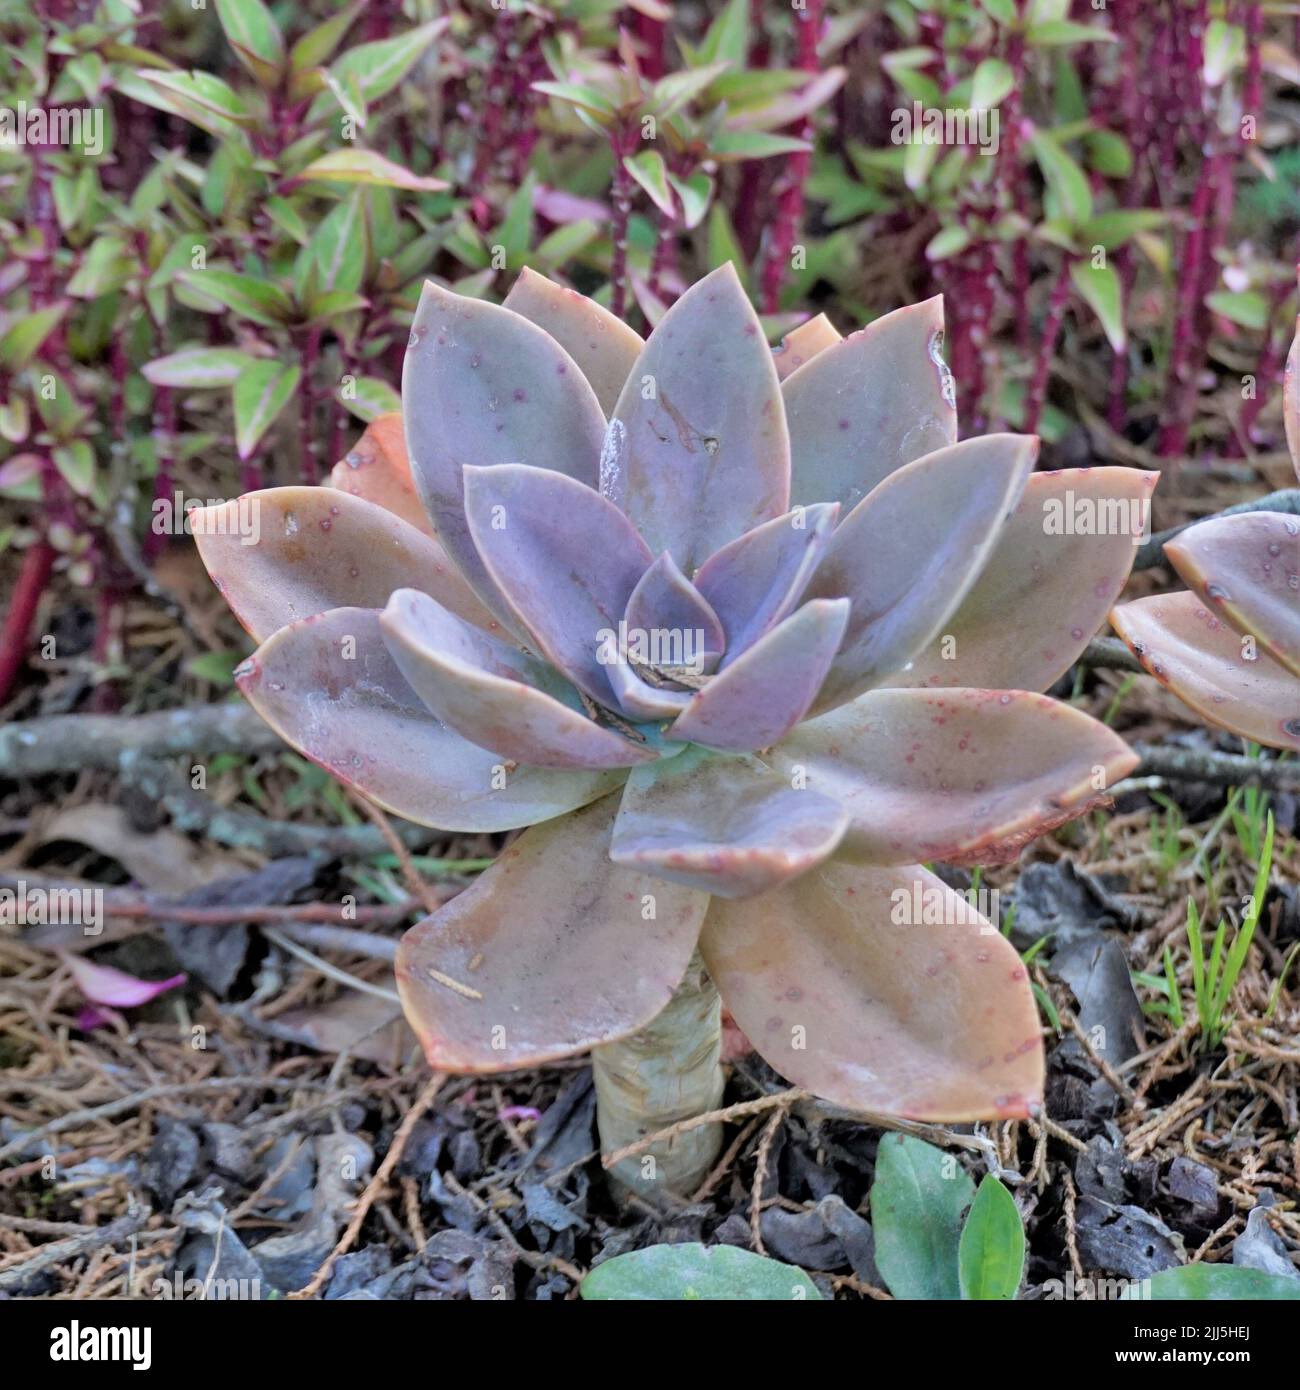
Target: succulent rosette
pixel 462 627
pixel 1229 645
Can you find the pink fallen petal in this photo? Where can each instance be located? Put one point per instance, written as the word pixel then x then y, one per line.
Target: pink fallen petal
pixel 519 1112
pixel 91 1016
pixel 101 984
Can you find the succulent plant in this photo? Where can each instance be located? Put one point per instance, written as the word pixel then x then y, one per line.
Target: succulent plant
pixel 740 651
pixel 1229 645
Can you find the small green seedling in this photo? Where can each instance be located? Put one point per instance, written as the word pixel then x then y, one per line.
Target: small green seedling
pixel 936 1236
pixel 1213 980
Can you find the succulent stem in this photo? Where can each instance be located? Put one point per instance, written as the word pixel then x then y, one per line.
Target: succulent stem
pixel 669 1071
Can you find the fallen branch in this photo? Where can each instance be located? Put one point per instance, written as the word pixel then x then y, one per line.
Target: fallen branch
pixel 1108 654
pixel 71 742
pixel 57 1251
pixel 1151 551
pixel 1219 769
pixel 132 907
pixel 194 813
pixel 111 1109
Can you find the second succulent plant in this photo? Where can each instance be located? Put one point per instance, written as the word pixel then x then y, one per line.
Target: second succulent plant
pixel 1229 645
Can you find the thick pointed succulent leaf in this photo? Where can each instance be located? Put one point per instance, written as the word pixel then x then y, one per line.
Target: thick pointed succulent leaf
pixel 1061 561
pixel 1203 660
pixel 494 695
pixel 725 824
pixel 565 559
pixel 1291 399
pixel 666 603
pixel 869 404
pixel 756 581
pixel 377 469
pixel 553 950
pixel 604 347
pixel 697 451
pixel 907 554
pixel 483 385
pixel 316 548
pixel 758 699
pixel 960 776
pixel 328 686
pixel 1247 568
pixel 637 698
pixel 882 990
pixel 802 344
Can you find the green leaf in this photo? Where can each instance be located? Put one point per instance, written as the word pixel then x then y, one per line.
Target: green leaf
pixel 1109 153
pixel 918 159
pixel 22 340
pixel 199 96
pixel 516 228
pixel 337 249
pixel 1100 289
pixel 731 146
pixel 695 193
pixel 1112 229
pixel 578 94
pixel 992 83
pixel 255 37
pixel 355 165
pixel 316 46
pixel 1225 48
pixel 727 39
pixel 197 368
pixel 347 92
pixel 289 220
pixel 1064 177
pixel 105 266
pixel 991 1252
pixel 262 391
pixel 947 242
pixel 380 66
pixel 20 477
pixel 215 667
pixel 1004 11
pixel 918 1199
pixel 1246 307
pixel 72 196
pixel 258 300
pixel 76 463
pixel 670 94
pixel 649 170
pixel 1216 1283
pixel 565 242
pixel 1063 31
pixel 15 419
pixel 328 304
pixel 723 243
pixel 692 1272
pixel 368 397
